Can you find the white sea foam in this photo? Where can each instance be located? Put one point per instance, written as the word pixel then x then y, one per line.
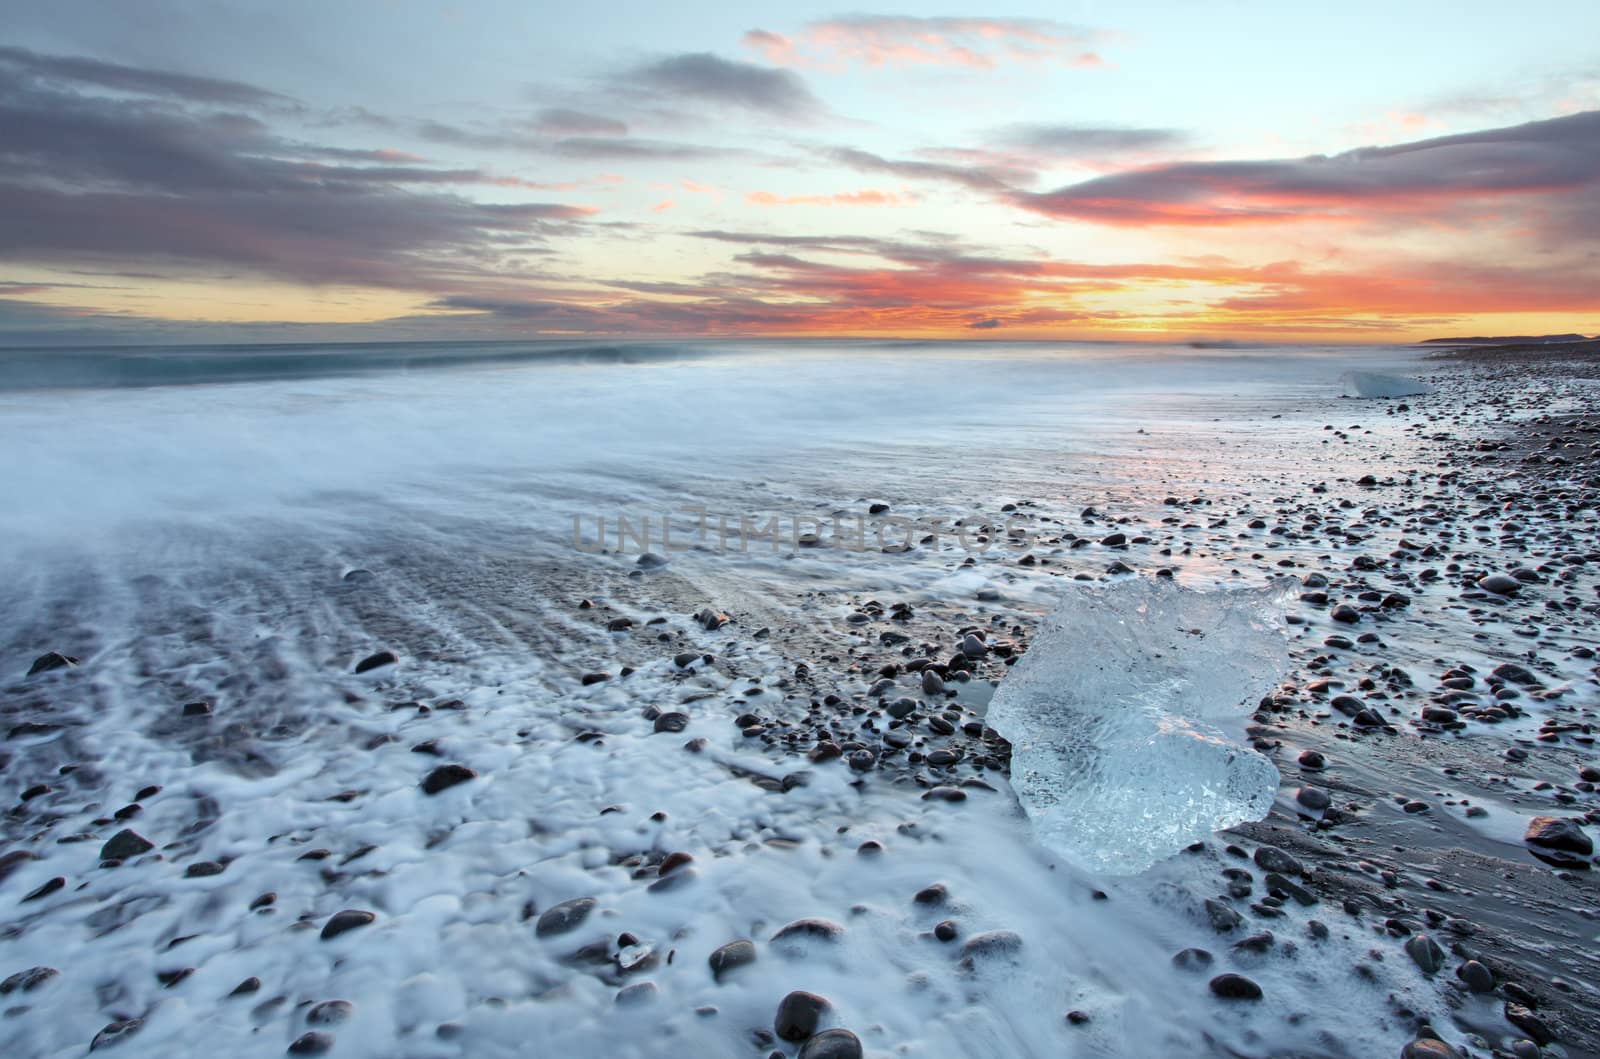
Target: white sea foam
pixel 189 543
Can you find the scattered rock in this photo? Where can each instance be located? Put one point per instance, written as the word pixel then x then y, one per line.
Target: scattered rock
pixel 1476 977
pixel 329 1012
pixel 115 1033
pixel 636 994
pixel 446 776
pixel 810 929
pixel 1500 584
pixel 349 919
pixel 1425 953
pixel 376 661
pixel 799 1015
pixel 1235 987
pixel 125 845
pixel 672 722
pixel 1276 860
pixel 832 1044
pixel 313 1043
pixel 564 917
pixel 1313 798
pixel 27 981
pixel 1222 915
pixel 989 946
pixel 730 957
pixel 1558 833
pixel 45 663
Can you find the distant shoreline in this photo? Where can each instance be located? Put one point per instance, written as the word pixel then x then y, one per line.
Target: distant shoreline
pixel 1537 349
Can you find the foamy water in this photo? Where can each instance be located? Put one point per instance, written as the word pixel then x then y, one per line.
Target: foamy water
pixel 192 543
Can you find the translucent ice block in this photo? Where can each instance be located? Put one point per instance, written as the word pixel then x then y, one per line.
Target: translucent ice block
pixel 1125 715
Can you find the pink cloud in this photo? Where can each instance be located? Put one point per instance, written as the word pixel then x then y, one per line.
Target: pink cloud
pixel 866 197
pixel 890 40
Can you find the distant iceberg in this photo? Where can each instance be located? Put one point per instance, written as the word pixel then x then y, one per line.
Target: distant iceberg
pixel 1125 715
pixel 1374 384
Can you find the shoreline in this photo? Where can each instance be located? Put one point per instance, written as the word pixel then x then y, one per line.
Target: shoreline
pixel 784 701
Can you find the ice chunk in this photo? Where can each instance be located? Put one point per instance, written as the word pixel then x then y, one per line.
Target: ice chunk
pixel 1374 384
pixel 1124 716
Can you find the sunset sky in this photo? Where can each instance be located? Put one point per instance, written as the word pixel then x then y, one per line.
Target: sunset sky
pixel 196 170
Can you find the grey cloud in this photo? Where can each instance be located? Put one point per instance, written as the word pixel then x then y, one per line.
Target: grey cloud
pixel 707 78
pixel 977 178
pixel 559 121
pixel 1078 141
pixel 133 80
pixel 96 180
pixel 1556 157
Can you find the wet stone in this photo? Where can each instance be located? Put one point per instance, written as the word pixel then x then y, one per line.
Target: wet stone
pixel 1222 916
pixel 730 957
pixel 1425 953
pixel 1558 833
pixel 1235 987
pixel 832 1044
pixel 1476 977
pixel 46 662
pixel 944 794
pixel 27 981
pixel 810 929
pixel 376 660
pixel 115 1033
pixel 329 1012
pixel 313 1043
pixel 45 889
pixel 1500 584
pixel 349 919
pixel 125 845
pixel 636 994
pixel 564 917
pixel 1524 1019
pixel 989 946
pixel 799 1015
pixel 1313 798
pixel 446 776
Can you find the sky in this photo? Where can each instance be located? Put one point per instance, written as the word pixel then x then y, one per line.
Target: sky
pixel 373 170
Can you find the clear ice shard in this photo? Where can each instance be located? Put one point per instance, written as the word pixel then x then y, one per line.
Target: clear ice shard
pixel 1375 384
pixel 1125 717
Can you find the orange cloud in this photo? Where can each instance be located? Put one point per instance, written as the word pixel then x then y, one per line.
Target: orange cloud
pixel 777 286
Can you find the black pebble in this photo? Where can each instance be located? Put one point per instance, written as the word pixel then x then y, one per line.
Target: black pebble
pixel 349 919
pixel 124 845
pixel 312 1043
pixel 1235 987
pixel 373 661
pixel 445 777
